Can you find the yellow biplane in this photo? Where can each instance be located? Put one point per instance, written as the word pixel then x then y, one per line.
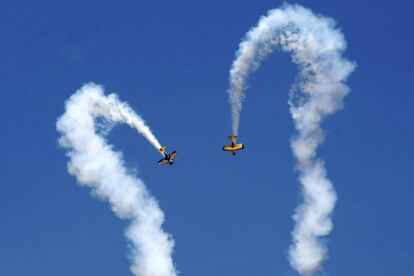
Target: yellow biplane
pixel 168 158
pixel 233 147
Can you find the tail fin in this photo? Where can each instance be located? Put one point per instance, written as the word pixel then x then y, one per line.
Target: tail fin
pixel 233 138
pixel 163 149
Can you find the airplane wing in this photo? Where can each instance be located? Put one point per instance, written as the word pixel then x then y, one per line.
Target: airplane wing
pixel 162 162
pixel 173 155
pixel 236 147
pixel 228 148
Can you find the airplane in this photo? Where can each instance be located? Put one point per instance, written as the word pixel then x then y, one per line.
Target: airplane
pixel 168 158
pixel 233 147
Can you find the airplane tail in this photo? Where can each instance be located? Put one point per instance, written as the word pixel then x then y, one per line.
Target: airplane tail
pixel 163 149
pixel 233 138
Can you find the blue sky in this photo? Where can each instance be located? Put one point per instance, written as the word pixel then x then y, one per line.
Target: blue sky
pixel 170 61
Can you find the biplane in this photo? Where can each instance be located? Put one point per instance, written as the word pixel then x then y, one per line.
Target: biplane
pixel 234 147
pixel 168 158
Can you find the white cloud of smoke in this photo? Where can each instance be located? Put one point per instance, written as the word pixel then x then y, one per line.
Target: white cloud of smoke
pixel 96 165
pixel 316 47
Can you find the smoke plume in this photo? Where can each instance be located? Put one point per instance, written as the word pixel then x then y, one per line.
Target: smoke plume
pixel 96 165
pixel 316 46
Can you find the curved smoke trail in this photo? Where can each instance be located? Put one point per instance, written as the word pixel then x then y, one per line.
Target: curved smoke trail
pixel 96 165
pixel 316 47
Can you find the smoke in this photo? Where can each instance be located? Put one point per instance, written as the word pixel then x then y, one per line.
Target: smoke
pixel 97 166
pixel 316 46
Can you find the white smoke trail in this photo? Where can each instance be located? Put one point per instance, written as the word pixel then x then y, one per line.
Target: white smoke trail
pixel 96 165
pixel 316 47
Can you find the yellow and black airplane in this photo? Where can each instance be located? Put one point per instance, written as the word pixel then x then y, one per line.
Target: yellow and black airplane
pixel 233 147
pixel 168 158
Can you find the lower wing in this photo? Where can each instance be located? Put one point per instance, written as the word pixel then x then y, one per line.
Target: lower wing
pixel 173 155
pixel 162 162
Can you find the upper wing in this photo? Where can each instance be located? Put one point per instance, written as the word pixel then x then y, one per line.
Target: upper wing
pixel 228 148
pixel 173 155
pixel 236 147
pixel 162 162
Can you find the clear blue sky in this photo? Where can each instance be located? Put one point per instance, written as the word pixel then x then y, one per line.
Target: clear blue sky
pixel 170 61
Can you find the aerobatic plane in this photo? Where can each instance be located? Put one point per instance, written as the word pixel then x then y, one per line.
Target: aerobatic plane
pixel 233 147
pixel 168 158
